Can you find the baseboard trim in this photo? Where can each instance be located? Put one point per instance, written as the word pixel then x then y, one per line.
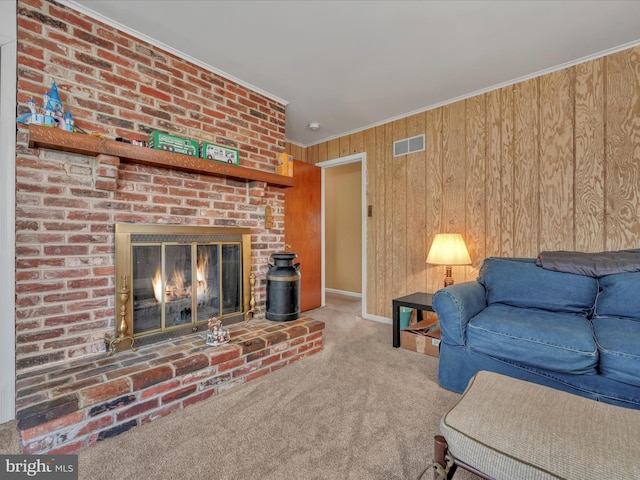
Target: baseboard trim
pixel 343 292
pixel 378 318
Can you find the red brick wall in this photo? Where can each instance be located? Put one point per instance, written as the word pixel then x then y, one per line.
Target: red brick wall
pixel 66 207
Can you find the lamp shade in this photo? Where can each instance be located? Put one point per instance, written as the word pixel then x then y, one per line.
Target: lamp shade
pixel 448 249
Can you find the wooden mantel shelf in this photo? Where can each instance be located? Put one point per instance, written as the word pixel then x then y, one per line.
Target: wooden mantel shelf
pixel 58 139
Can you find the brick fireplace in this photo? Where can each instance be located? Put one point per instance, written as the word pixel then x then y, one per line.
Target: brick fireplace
pixel 68 201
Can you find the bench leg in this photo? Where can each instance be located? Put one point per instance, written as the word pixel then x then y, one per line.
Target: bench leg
pixel 440 458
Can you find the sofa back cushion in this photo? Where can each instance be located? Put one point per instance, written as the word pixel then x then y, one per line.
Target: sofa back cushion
pixel 521 283
pixel 619 296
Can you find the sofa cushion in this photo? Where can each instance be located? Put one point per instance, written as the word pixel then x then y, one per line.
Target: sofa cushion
pixel 560 342
pixel 618 341
pixel 619 295
pixel 521 283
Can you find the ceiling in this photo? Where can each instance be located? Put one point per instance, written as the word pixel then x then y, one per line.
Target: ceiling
pixel 349 65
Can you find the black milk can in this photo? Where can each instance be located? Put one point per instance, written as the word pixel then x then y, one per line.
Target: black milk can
pixel 283 288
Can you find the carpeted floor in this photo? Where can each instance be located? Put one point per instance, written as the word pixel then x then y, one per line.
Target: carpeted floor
pixel 360 409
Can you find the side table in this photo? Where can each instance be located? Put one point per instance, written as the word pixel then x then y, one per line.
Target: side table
pixel 419 301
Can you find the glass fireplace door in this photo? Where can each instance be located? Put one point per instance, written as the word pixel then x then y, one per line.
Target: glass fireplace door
pixel 179 284
pixel 171 279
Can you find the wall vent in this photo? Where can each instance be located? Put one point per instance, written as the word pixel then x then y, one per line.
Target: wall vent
pixel 409 145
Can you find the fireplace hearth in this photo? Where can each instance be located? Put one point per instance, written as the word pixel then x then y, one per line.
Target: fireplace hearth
pixel 71 406
pixel 174 278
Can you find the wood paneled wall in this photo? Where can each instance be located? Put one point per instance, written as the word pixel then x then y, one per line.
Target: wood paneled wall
pixel 551 163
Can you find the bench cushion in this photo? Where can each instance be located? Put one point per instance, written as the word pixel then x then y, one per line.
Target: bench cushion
pixel 508 428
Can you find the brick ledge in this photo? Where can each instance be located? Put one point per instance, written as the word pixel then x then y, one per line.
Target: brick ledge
pixel 64 408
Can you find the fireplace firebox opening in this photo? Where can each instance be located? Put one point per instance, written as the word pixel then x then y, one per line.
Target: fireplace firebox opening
pixel 171 279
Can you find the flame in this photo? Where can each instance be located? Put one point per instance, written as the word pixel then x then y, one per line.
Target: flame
pixel 157 286
pixel 177 278
pixel 202 288
pixel 175 288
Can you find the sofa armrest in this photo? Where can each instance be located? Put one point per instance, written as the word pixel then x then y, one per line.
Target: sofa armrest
pixel 455 306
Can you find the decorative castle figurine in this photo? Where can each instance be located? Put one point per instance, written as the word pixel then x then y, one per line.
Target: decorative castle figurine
pixel 216 334
pixel 50 114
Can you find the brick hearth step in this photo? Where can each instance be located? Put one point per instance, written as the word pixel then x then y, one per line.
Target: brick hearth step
pixel 64 408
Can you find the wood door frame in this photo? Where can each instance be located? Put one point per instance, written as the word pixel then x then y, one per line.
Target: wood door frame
pixel 357 157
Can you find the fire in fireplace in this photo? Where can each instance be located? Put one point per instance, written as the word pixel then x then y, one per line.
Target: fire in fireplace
pixel 174 278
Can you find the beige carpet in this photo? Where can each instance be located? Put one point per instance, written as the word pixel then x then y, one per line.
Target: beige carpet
pixel 360 409
pixel 9 439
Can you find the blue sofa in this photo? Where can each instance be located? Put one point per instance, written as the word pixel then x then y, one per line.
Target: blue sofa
pixel 573 332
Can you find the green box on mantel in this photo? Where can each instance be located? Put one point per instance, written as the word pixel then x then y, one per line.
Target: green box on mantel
pixel 211 151
pixel 173 143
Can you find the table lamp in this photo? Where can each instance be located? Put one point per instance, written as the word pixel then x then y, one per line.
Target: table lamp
pixel 448 249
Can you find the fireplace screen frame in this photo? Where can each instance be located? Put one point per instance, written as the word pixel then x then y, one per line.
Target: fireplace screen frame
pixel 129 235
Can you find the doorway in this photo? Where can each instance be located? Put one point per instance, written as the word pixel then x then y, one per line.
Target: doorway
pixel 341 242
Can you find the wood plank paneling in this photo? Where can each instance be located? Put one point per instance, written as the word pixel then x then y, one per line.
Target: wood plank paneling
pixel 323 152
pixel 312 154
pixel 398 215
pixel 493 208
pixel 526 208
pixel 454 173
pixel 623 148
pixel 388 214
pixel 345 146
pixel 371 225
pixel 589 156
pixel 356 143
pixel 549 163
pixel 556 161
pixel 475 229
pixel 299 153
pixel 333 149
pixel 416 210
pixel 380 214
pixel 506 171
pixel 434 200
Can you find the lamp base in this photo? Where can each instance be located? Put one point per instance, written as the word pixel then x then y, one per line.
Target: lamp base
pixel 448 279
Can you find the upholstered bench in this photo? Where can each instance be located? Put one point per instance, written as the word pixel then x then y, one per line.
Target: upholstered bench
pixel 505 428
